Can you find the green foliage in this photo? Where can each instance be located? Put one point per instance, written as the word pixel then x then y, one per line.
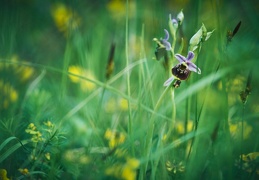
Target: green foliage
pixel 83 98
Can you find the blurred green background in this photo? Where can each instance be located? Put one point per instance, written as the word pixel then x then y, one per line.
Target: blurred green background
pixel 53 67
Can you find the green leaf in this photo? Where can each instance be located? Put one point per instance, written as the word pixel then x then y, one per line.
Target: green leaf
pixel 12 149
pixel 6 142
pixel 208 35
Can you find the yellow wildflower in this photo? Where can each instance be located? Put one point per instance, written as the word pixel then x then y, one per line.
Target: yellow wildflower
pixel 234 87
pixel 113 171
pixel 77 156
pixel 174 167
pixel 49 124
pixel 84 159
pixel 120 152
pixel 47 156
pixel 115 138
pixel 117 9
pixel 108 134
pixel 126 171
pixel 64 18
pixel 13 95
pixel 123 104
pixel 33 157
pixel 84 84
pixel 236 129
pixel 180 127
pixel 133 163
pixel 8 94
pixel 110 106
pixel 250 157
pixel 24 171
pixel 31 129
pixel 36 135
pixel 3 174
pixel 26 72
pixel 32 126
pixel 249 162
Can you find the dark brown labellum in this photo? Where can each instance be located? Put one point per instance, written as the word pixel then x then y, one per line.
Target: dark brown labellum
pixel 180 71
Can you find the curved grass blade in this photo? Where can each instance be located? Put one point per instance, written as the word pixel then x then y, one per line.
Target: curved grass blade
pixel 12 149
pixel 32 173
pixel 6 142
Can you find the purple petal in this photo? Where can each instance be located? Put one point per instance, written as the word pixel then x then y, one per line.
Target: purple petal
pixel 180 58
pixel 166 44
pixel 193 67
pixel 169 81
pixel 166 35
pixel 190 55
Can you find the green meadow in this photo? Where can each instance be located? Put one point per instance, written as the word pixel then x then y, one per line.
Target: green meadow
pixel 130 90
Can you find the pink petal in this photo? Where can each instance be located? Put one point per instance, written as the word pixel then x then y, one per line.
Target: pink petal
pixel 193 67
pixel 190 55
pixel 168 81
pixel 180 58
pixel 166 34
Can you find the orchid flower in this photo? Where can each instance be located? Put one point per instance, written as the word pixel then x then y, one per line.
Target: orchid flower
pixel 182 70
pixel 165 41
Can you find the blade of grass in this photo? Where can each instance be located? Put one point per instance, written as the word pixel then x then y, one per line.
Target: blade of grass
pixel 128 72
pixel 149 137
pixel 12 149
pixel 6 142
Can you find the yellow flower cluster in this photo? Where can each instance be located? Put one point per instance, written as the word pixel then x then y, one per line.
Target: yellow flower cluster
pixel 64 18
pixel 84 84
pixel 23 72
pixel 121 104
pixel 8 94
pixel 24 171
pixel 36 135
pixel 236 128
pixel 126 171
pixel 117 9
pixel 174 167
pixel 77 156
pixel 180 127
pixel 249 161
pixel 115 138
pixel 50 127
pixel 49 124
pixel 3 174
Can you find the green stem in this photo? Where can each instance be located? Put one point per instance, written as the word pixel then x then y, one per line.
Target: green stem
pixel 173 115
pixel 242 137
pixel 148 142
pixel 127 64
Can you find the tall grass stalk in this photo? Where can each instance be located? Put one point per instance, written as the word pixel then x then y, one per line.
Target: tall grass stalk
pixel 149 136
pixel 128 72
pixel 242 137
